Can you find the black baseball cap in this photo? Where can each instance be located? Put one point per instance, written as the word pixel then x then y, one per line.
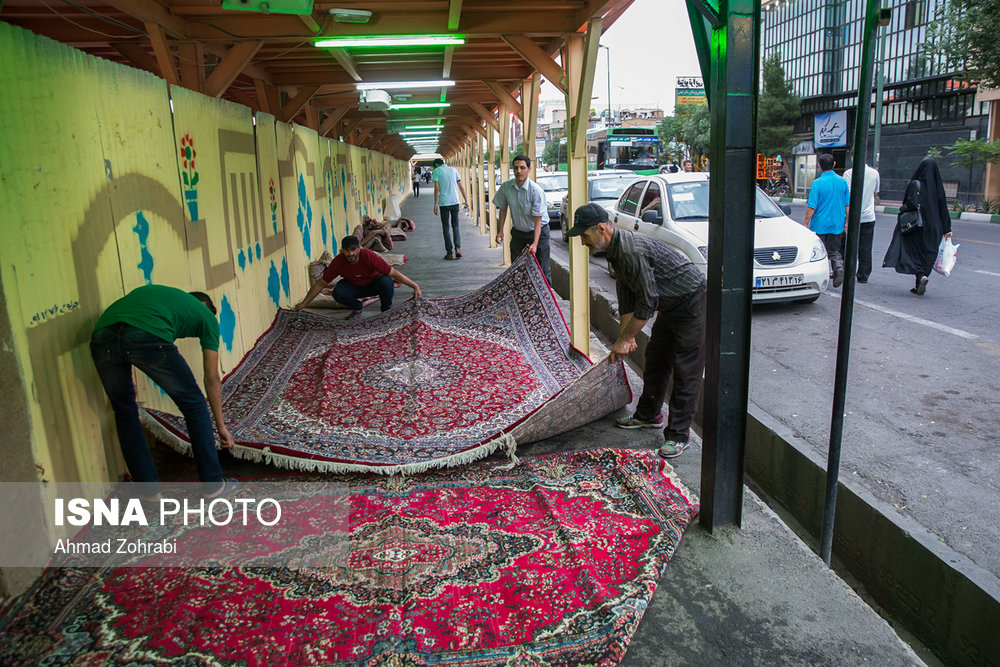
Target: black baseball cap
pixel 586 217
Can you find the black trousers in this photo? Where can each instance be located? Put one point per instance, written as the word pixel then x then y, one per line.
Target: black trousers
pixel 676 348
pixel 866 235
pixel 520 240
pixel 834 244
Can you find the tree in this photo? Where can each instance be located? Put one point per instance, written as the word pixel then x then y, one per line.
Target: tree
pixel 517 150
pixel 963 38
pixel 972 153
pixel 777 110
pixel 668 130
pixel 695 127
pixel 554 153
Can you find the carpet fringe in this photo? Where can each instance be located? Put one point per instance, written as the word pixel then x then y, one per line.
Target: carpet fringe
pixel 504 442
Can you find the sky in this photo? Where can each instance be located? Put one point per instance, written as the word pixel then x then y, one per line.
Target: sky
pixel 651 45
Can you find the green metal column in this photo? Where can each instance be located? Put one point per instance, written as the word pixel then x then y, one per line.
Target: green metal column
pixel 727 37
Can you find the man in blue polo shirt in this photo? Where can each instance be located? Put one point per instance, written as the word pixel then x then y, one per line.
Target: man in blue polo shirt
pixel 826 213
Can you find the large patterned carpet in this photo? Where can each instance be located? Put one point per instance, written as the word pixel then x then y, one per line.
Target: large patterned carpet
pixel 430 383
pixel 550 562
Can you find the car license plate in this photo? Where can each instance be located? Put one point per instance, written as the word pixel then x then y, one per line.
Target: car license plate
pixel 779 281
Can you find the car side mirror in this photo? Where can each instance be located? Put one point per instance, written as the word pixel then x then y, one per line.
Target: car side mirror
pixel 785 208
pixel 652 217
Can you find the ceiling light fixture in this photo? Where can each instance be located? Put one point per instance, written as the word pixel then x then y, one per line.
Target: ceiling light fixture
pixel 422 127
pixel 420 105
pixel 390 85
pixel 384 41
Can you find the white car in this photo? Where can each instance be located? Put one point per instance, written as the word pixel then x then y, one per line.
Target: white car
pixel 555 184
pixel 603 188
pixel 789 261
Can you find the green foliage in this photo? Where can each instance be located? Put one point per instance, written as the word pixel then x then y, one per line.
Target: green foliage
pixel 963 39
pixel 991 206
pixel 689 128
pixel 934 152
pixel 777 110
pixel 516 150
pixel 554 154
pixel 970 153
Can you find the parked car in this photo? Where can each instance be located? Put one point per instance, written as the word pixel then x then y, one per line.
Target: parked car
pixel 604 188
pixel 555 184
pixel 790 262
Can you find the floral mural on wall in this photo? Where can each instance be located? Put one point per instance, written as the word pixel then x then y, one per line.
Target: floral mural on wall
pixel 189 176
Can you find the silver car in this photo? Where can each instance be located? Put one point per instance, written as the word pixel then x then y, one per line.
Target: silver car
pixel 603 188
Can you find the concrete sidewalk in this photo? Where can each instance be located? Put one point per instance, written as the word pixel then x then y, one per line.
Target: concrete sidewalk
pixel 750 596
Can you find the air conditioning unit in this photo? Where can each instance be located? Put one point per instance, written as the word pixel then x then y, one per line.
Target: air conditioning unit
pixel 374 100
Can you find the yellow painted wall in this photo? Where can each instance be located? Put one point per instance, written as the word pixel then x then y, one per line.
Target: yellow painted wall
pixel 96 203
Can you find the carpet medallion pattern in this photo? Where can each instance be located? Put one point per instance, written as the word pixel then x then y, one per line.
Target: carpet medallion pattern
pixel 550 562
pixel 429 383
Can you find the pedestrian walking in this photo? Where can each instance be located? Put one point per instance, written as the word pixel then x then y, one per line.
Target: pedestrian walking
pixel 826 213
pixel 913 252
pixel 866 234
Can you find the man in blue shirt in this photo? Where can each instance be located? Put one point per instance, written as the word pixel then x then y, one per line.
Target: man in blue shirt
pixel 826 213
pixel 447 185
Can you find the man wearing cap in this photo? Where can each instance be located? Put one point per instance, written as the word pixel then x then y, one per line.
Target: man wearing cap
pixel 529 214
pixel 363 272
pixel 653 278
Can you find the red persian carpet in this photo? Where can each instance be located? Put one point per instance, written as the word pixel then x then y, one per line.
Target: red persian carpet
pixel 429 383
pixel 550 562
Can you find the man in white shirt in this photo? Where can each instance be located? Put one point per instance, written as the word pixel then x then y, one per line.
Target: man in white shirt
pixel 869 197
pixel 529 215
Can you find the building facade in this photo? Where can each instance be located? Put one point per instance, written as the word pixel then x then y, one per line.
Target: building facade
pixel 923 106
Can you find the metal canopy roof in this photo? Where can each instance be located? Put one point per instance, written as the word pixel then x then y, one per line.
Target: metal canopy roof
pixel 269 61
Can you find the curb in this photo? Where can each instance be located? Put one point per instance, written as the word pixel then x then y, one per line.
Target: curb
pixel 949 603
pixel 968 216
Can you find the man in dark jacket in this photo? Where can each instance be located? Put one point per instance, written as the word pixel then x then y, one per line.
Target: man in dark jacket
pixel 654 279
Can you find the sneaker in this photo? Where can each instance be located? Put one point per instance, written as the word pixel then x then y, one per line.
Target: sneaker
pixel 634 422
pixel 672 448
pixel 838 277
pixel 229 487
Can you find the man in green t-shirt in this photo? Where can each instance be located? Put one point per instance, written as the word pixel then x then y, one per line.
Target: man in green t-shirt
pixel 139 330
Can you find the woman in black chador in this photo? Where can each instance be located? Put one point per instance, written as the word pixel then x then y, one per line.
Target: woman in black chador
pixel 914 253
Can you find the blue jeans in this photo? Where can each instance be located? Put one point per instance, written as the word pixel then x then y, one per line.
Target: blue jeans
pixel 349 295
pixel 449 226
pixel 115 350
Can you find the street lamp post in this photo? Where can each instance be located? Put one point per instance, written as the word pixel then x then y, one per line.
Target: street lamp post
pixel 610 117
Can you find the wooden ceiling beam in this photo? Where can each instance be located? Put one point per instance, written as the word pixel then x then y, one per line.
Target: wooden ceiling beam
pixel 539 59
pixel 136 55
pixel 331 120
pixel 347 62
pixel 230 67
pixel 161 49
pixel 149 11
pixel 504 97
pixel 295 105
pixel 485 115
pixel 191 58
pixel 454 15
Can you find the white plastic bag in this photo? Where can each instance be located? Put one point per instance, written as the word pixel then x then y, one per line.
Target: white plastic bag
pixel 946 257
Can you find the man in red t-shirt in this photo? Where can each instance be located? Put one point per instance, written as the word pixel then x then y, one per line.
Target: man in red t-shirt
pixel 363 274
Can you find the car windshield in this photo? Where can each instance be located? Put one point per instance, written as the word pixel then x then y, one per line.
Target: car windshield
pixel 553 183
pixel 689 201
pixel 608 188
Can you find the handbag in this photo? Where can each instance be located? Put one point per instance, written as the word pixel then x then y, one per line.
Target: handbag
pixel 911 220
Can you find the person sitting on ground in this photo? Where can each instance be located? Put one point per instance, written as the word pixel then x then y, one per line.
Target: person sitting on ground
pixel 363 273
pixel 139 330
